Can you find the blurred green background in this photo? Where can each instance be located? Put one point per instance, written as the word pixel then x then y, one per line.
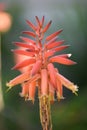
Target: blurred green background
pixel 71 113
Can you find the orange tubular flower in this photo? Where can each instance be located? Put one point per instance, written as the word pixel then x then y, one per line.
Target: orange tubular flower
pixel 39 71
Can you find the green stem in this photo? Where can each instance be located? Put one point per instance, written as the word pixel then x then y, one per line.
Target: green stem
pixel 1 94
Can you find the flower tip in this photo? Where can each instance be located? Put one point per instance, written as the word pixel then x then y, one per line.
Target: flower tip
pixel 60 97
pixel 8 85
pixel 75 90
pixel 69 55
pixel 59 31
pixel 74 63
pixel 32 100
pixel 21 95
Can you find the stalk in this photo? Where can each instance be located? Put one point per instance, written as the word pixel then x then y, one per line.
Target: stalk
pixel 1 93
pixel 45 113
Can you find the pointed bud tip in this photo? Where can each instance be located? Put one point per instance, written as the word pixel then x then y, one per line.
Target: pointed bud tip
pixel 69 55
pixel 73 63
pixel 21 94
pixel 8 84
pixel 60 30
pixel 75 90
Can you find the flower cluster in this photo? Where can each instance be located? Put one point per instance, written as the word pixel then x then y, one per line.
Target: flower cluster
pixel 36 58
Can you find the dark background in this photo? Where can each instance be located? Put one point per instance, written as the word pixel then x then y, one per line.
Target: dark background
pixel 71 113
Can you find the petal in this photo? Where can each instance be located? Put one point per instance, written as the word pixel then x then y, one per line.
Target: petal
pixel 40 44
pixel 36 67
pixel 60 48
pixel 52 74
pixel 65 55
pixel 37 20
pixel 32 90
pixel 44 82
pixel 54 44
pixel 34 78
pixel 50 42
pixel 25 92
pixel 53 35
pixel 51 97
pixel 51 92
pixel 27 40
pixel 23 52
pixel 31 25
pixel 51 88
pixel 29 33
pixel 62 60
pixel 42 22
pixel 49 53
pixel 68 84
pixel 24 45
pixel 54 50
pixel 19 79
pixel 59 90
pixel 24 63
pixel 47 27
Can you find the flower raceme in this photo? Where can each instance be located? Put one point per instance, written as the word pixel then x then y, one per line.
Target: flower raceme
pixel 35 58
pixel 39 60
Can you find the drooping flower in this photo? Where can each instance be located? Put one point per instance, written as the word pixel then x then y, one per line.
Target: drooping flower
pixel 35 60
